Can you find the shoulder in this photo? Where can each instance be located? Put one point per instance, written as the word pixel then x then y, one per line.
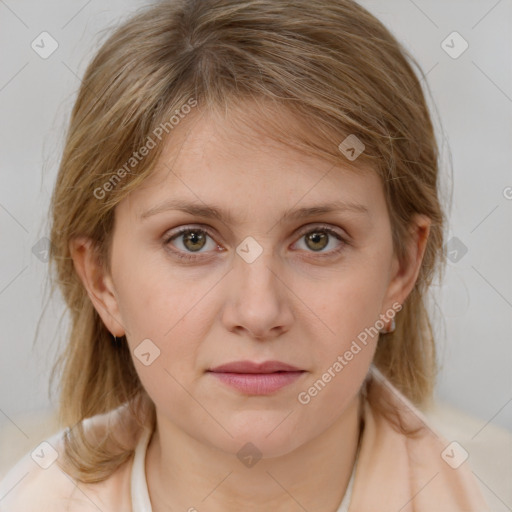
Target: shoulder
pixel 39 482
pixel 430 471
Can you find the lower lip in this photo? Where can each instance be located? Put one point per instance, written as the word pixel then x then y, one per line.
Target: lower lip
pixel 258 383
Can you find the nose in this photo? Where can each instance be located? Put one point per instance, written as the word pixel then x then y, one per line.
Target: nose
pixel 258 301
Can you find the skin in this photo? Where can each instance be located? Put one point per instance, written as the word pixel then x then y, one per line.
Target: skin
pixel 290 304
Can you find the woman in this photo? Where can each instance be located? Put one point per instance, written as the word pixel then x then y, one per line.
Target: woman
pixel 245 224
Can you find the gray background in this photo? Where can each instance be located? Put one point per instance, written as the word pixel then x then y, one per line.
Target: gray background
pixel 473 98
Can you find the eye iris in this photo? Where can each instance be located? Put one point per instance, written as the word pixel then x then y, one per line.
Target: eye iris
pixel 194 237
pixel 317 237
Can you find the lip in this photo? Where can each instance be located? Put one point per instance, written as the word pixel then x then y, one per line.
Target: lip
pixel 253 378
pixel 253 367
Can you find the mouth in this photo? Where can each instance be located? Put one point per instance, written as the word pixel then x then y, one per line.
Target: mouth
pixel 253 378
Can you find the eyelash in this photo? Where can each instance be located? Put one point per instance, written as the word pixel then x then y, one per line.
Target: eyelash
pixel 189 257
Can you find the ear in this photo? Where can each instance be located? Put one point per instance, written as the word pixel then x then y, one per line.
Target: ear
pixel 405 274
pixel 97 282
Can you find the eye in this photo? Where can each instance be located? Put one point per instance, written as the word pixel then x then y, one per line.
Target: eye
pixel 318 238
pixel 192 240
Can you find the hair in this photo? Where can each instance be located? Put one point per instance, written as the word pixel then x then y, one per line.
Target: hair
pixel 328 63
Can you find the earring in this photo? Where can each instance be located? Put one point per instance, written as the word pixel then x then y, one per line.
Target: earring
pixel 390 329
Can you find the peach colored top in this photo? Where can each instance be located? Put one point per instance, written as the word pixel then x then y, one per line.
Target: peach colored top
pixel 393 472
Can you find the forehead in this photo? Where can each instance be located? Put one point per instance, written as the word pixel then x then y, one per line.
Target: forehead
pixel 231 160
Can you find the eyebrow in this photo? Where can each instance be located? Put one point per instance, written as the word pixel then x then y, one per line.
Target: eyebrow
pixel 214 212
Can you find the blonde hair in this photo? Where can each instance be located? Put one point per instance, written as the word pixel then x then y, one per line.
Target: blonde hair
pixel 330 64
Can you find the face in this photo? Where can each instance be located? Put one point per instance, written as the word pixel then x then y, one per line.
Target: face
pixel 262 283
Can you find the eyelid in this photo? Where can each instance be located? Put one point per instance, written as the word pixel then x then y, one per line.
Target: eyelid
pixel 320 227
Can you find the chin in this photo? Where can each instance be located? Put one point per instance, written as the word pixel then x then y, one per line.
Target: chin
pixel 265 438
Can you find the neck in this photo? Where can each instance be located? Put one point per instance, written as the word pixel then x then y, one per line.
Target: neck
pixel 185 474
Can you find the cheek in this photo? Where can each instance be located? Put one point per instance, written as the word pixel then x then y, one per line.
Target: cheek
pixel 160 308
pixel 156 303
pixel 348 309
pixel 145 302
pixel 348 303
pixel 152 297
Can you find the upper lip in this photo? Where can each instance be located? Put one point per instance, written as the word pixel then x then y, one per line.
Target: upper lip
pixel 252 367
